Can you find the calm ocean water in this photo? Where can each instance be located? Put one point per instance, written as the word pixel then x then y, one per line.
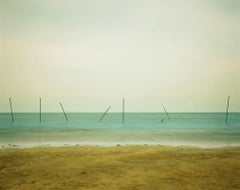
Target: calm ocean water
pixel 201 129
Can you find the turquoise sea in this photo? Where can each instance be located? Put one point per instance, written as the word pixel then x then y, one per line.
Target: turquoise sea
pixel 194 129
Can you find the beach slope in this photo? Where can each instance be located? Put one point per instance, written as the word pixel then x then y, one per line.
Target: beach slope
pixel 119 167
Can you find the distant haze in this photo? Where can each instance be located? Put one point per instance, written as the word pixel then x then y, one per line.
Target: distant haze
pixel 90 54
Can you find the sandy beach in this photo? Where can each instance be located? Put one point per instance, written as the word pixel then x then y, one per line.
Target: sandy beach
pixel 119 167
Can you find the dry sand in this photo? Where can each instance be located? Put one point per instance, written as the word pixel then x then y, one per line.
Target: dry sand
pixel 120 167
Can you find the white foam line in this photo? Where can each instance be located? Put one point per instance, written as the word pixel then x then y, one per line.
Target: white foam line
pixel 114 143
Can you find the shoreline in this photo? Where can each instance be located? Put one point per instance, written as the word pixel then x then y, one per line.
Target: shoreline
pixel 114 144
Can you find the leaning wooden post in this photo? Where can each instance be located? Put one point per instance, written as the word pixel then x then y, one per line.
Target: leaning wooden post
pixel 104 114
pixel 228 99
pixel 167 113
pixel 11 109
pixel 64 113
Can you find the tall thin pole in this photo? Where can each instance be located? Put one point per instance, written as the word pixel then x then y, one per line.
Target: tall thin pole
pixel 40 110
pixel 64 113
pixel 123 111
pixel 166 113
pixel 11 109
pixel 104 114
pixel 228 99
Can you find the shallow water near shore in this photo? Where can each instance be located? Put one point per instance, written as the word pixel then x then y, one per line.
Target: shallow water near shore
pixel 193 129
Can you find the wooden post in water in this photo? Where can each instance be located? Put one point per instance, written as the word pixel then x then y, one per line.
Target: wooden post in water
pixel 228 99
pixel 64 113
pixel 104 114
pixel 123 111
pixel 40 110
pixel 11 109
pixel 167 113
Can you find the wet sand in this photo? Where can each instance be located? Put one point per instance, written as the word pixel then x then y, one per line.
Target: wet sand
pixel 119 167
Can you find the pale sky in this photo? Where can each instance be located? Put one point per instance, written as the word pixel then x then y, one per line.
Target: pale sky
pixel 89 54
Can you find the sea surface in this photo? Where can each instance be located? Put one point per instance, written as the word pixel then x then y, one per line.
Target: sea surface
pixel 191 129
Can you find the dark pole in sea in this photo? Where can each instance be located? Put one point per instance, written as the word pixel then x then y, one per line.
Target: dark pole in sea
pixel 228 99
pixel 40 110
pixel 123 111
pixel 104 114
pixel 167 113
pixel 64 113
pixel 10 104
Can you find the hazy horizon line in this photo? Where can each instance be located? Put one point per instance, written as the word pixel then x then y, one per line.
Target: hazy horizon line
pixel 119 112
